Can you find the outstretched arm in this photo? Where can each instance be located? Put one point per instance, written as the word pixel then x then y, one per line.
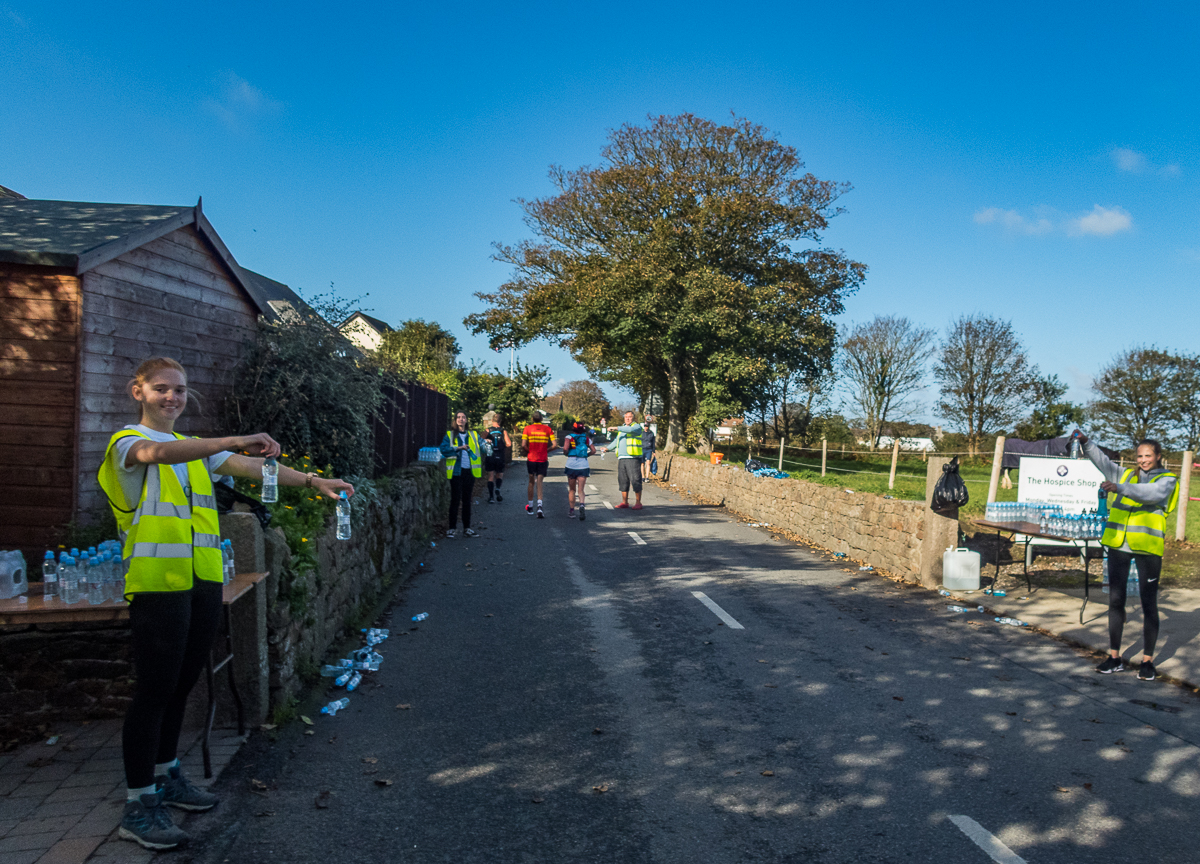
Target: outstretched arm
pixel 190 449
pixel 246 466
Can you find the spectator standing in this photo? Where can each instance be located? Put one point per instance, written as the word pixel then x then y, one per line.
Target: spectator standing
pixel 649 439
pixel 538 440
pixel 160 487
pixel 464 465
pixel 1135 531
pixel 628 445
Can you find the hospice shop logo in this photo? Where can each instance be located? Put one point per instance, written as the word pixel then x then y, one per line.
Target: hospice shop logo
pixel 1062 470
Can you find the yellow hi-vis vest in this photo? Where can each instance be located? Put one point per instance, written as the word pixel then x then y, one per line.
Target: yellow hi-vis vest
pixel 633 443
pixel 168 536
pixel 473 452
pixel 1140 525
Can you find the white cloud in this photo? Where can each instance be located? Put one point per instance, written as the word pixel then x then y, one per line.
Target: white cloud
pixel 240 101
pixel 1129 160
pixel 1014 221
pixel 1137 163
pixel 1102 221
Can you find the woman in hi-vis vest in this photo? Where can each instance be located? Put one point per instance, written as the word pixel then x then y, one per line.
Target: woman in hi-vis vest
pixel 160 487
pixel 464 465
pixel 1136 531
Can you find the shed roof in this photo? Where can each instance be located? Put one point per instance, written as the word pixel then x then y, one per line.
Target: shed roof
pixel 5 192
pixel 83 235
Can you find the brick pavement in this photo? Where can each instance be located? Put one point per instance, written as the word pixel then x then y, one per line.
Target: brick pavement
pixel 61 804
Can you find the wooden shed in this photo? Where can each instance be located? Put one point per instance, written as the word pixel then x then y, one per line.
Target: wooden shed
pixel 87 292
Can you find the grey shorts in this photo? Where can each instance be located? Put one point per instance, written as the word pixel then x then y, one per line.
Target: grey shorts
pixel 629 473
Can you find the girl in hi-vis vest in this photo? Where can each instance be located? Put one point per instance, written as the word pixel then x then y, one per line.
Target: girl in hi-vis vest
pixel 160 487
pixel 1135 531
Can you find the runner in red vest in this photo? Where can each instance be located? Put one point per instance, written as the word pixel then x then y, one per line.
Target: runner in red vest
pixel 538 439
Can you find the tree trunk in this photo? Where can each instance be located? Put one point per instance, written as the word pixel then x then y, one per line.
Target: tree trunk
pixel 674 407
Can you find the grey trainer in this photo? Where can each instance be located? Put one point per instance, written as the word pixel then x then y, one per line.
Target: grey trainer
pixel 147 823
pixel 178 791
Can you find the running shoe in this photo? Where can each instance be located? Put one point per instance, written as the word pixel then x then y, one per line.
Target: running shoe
pixel 1146 671
pixel 570 512
pixel 622 504
pixel 147 823
pixel 450 534
pixel 491 500
pixel 471 532
pixel 178 791
pixel 499 497
pixel 636 506
pixel 581 513
pixel 540 514
pixel 529 509
pixel 1110 665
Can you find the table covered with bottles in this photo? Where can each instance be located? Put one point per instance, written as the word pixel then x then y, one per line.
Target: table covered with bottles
pixel 1034 519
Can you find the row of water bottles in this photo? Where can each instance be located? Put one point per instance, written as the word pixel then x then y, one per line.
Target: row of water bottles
pixel 1019 511
pixel 1077 526
pixel 92 575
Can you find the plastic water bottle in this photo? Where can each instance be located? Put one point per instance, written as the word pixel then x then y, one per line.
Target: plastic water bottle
pixel 49 575
pixel 270 480
pixel 375 636
pixel 957 608
pixel 335 706
pixel 1132 587
pixel 1075 447
pixel 354 681
pixel 227 564
pixel 95 581
pixel 333 670
pixel 343 517
pixel 68 580
pixel 421 616
pixel 343 679
pixel 1013 621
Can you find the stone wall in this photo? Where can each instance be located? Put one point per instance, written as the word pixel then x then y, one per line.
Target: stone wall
pixel 885 533
pixel 50 673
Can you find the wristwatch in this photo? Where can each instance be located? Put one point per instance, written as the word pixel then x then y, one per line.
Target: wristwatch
pixel 308 483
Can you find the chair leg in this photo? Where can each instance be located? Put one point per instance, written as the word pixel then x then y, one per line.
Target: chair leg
pixel 233 688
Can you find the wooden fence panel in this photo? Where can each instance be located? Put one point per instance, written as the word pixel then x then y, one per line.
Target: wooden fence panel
pixel 412 417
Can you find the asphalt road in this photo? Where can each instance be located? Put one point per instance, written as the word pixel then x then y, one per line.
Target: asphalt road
pixel 571 699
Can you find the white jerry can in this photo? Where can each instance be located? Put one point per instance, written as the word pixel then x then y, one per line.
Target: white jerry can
pixel 13 579
pixel 960 570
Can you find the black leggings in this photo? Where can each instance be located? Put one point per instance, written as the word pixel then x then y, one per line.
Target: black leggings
pixel 1149 569
pixel 460 491
pixel 172 631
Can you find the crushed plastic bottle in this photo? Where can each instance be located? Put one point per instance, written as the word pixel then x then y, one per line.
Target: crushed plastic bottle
pixel 421 617
pixel 375 636
pixel 994 593
pixel 335 706
pixel 332 670
pixel 1013 621
pixel 944 592
pixel 980 610
pixel 354 681
pixel 344 679
pixel 952 608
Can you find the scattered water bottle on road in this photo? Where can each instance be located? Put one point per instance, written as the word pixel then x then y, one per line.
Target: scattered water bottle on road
pixel 421 617
pixel 270 480
pixel 332 670
pixel 956 608
pixel 1013 621
pixel 344 679
pixel 335 706
pixel 343 517
pixel 354 681
pixel 49 576
pixel 944 592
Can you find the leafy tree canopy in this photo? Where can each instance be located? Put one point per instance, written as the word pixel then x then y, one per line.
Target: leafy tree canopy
pixel 423 352
pixel 688 263
pixel 1051 417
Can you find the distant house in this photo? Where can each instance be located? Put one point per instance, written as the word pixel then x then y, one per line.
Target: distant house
pixel 88 291
pixel 908 444
pixel 364 331
pixel 728 428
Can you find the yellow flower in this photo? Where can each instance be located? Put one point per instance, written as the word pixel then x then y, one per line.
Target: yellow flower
pixel 288 506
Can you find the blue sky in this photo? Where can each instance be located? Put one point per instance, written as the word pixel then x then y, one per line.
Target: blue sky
pixel 1033 161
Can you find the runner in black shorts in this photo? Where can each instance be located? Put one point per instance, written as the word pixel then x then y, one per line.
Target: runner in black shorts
pixel 577 444
pixel 538 439
pixel 496 445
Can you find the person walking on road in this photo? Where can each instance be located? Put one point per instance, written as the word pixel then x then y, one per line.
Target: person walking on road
pixel 628 445
pixel 464 465
pixel 496 446
pixel 577 444
pixel 648 441
pixel 1136 531
pixel 538 440
pixel 159 485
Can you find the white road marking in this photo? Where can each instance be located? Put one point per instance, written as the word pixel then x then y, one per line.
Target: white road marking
pixel 608 504
pixel 592 488
pixel 729 620
pixel 982 838
pixel 636 539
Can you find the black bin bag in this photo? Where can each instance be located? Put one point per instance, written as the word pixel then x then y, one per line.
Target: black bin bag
pixel 950 491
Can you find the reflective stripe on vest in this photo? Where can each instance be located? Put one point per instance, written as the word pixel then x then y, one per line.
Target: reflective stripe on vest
pixel 168 537
pixel 633 446
pixel 473 453
pixel 1142 526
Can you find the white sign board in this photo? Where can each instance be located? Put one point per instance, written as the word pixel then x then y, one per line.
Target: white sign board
pixel 1073 483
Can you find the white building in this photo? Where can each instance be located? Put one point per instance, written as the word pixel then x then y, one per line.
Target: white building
pixel 364 331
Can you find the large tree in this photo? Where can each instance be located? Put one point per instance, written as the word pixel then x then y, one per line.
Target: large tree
pixel 985 376
pixel 1138 396
pixel 883 365
pixel 583 400
pixel 425 352
pixel 688 263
